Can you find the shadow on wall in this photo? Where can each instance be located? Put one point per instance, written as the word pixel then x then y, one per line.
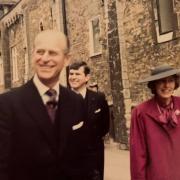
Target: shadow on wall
pixel 111 128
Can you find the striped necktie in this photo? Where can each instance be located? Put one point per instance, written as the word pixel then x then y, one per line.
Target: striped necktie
pixel 51 104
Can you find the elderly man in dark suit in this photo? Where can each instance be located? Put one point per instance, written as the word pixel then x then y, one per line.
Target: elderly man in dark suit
pixel 41 122
pixel 97 124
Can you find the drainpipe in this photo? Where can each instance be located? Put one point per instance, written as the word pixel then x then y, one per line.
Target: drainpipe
pixel 64 17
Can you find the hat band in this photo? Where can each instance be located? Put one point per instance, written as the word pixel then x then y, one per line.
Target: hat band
pixel 158 71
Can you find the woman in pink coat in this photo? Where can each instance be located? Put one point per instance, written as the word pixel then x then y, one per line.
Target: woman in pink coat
pixel 155 129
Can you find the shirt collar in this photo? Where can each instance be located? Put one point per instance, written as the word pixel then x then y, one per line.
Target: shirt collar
pixel 42 88
pixel 82 91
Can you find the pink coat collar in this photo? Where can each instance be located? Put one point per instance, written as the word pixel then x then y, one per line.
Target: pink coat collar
pixel 154 113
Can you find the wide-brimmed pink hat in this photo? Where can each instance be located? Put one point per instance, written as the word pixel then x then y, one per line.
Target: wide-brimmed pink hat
pixel 161 72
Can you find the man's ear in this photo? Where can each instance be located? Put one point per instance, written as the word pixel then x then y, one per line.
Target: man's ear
pixel 88 76
pixel 67 60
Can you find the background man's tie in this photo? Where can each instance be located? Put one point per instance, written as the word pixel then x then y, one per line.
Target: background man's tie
pixel 51 104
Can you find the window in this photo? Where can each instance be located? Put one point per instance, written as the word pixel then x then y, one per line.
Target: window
pixel 1 71
pixel 26 62
pixel 1 11
pixel 94 34
pixel 165 16
pixel 164 20
pixel 178 19
pixel 41 27
pixel 14 64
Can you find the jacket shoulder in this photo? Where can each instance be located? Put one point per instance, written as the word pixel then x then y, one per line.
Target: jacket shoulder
pixel 143 107
pixel 69 93
pixel 96 94
pixel 177 98
pixel 10 93
pixel 18 91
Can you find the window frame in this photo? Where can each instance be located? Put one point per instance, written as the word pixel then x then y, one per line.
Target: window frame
pixel 161 36
pixel 92 40
pixel 1 71
pixel 161 31
pixel 15 75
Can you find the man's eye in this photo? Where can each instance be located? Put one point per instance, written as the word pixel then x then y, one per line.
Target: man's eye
pixel 41 52
pixel 53 53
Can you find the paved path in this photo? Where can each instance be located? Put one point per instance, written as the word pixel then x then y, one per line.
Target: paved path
pixel 116 163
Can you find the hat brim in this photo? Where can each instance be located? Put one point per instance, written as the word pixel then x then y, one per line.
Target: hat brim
pixel 160 76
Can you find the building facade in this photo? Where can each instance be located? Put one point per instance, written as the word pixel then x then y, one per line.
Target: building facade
pixel 121 40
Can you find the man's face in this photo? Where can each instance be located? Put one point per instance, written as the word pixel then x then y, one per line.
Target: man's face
pixel 77 78
pixel 49 58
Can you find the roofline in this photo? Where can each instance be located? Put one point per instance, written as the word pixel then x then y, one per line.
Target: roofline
pixel 10 10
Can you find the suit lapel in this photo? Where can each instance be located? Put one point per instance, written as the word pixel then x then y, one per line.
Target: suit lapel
pixel 37 110
pixel 91 103
pixel 64 117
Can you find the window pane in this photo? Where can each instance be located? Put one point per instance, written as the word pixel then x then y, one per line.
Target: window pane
pixel 165 13
pixel 96 35
pixel 14 63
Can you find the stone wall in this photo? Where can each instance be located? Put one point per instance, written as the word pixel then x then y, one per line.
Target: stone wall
pixel 5 57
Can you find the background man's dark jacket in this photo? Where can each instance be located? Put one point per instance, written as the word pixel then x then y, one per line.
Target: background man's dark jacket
pixel 97 124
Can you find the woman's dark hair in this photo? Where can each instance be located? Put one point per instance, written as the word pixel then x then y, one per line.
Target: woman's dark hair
pixel 151 84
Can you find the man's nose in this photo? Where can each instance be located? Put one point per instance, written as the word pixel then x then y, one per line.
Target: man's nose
pixel 45 57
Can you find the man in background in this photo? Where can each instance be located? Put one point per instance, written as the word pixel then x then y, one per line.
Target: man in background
pixel 97 121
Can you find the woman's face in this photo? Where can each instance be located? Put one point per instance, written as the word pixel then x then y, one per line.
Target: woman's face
pixel 165 87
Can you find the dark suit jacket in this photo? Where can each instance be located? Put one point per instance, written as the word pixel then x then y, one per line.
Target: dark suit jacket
pixel 31 147
pixel 97 124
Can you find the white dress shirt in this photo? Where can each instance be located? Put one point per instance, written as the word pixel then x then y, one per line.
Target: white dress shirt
pixel 42 89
